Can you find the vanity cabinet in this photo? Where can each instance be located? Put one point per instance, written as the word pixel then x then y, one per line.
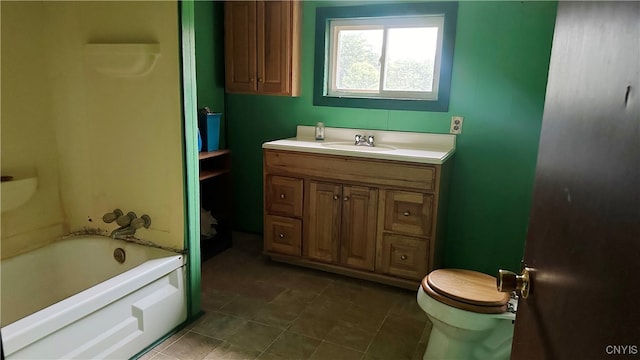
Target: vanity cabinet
pixel 368 218
pixel 262 47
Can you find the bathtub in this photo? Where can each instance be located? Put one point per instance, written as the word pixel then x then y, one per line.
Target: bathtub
pixel 73 299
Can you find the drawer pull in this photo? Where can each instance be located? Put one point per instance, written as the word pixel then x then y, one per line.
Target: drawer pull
pixel 406 213
pixel 282 196
pixel 282 236
pixel 335 197
pixel 403 257
pixel 346 198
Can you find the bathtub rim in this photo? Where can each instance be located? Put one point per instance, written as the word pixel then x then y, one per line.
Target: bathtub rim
pixel 25 331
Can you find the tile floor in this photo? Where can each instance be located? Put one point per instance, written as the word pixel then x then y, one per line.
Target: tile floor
pixel 259 309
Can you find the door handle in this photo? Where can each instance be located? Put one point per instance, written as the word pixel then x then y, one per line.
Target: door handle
pixel 509 281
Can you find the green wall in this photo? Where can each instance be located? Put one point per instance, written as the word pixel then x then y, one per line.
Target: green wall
pixel 499 77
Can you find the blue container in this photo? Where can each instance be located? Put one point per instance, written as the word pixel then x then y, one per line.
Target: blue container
pixel 209 125
pixel 199 141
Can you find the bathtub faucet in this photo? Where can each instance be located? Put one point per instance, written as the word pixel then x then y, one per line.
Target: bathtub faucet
pixel 129 223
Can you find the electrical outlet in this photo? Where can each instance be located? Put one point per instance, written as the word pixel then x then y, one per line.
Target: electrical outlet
pixel 456 124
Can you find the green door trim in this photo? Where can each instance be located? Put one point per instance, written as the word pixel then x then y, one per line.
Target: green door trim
pixel 192 181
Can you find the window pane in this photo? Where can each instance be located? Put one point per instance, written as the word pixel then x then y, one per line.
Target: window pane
pixel 410 59
pixel 358 60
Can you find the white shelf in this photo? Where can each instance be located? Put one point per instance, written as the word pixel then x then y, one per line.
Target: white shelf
pixel 122 60
pixel 17 192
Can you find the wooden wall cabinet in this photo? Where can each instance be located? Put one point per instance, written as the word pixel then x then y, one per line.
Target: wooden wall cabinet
pixel 262 47
pixel 367 218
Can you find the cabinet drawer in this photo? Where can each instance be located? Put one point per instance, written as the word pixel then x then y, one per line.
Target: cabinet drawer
pixel 404 256
pixel 408 212
pixel 284 196
pixel 283 235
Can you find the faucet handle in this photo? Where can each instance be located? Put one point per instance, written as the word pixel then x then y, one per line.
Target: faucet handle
pixel 143 221
pixel 125 220
pixel 112 216
pixel 370 140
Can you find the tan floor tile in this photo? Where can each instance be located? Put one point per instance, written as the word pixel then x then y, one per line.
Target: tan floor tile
pixel 226 351
pixel 254 336
pixel 280 315
pixel 170 340
pixel 161 356
pixel 261 291
pixel 293 346
pixel 406 327
pixel 408 307
pixel 328 351
pixel 312 324
pixel 192 346
pixel 212 299
pixel 350 335
pixel 148 355
pixel 243 307
pixel 218 325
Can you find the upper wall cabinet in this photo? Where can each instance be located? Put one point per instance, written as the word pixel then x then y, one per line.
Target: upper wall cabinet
pixel 262 47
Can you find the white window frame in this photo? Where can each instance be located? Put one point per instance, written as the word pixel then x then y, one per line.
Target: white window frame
pixel 383 23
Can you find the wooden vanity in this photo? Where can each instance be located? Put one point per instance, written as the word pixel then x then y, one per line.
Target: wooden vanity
pixel 375 219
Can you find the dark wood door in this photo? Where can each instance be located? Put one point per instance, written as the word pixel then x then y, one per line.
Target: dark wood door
pixel 583 241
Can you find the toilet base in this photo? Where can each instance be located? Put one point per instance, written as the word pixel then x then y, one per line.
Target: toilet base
pixel 491 345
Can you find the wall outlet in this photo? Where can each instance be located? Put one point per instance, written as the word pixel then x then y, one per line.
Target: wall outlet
pixel 456 124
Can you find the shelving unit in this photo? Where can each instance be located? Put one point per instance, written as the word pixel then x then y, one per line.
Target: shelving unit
pixel 215 196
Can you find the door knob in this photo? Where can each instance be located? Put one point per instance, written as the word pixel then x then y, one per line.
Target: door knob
pixel 508 281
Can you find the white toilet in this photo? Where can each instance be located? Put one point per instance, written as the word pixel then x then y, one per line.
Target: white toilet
pixel 469 316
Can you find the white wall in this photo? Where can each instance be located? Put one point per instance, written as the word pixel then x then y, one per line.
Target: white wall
pixel 113 142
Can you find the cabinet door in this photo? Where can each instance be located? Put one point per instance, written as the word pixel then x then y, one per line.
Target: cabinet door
pixel 323 222
pixel 240 46
pixel 283 235
pixel 358 231
pixel 408 212
pixel 274 46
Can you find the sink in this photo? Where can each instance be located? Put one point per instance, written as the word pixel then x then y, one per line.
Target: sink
pixel 347 145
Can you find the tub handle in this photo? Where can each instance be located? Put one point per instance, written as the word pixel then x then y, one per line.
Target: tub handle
pixel 125 220
pixel 112 216
pixel 143 221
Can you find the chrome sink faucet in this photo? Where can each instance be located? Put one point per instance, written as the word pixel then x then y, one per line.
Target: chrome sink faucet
pixel 128 223
pixel 361 140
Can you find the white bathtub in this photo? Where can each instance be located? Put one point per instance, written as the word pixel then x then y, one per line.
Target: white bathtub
pixel 72 299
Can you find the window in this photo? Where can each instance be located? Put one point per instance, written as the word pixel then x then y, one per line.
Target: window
pixel 391 56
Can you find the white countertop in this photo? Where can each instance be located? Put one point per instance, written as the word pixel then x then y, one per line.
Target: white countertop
pixel 425 148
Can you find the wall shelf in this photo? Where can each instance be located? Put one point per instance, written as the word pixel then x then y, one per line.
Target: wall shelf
pixel 122 60
pixel 215 196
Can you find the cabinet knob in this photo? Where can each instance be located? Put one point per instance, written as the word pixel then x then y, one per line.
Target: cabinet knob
pixel 336 197
pixel 406 213
pixel 403 257
pixel 259 79
pixel 281 236
pixel 346 198
pixel 282 196
pixel 252 79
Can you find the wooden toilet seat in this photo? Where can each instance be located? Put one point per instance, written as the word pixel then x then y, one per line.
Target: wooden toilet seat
pixel 466 290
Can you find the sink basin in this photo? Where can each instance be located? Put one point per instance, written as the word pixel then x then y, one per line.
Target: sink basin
pixel 346 145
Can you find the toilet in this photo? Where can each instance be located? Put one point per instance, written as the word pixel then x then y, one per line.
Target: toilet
pixel 470 317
